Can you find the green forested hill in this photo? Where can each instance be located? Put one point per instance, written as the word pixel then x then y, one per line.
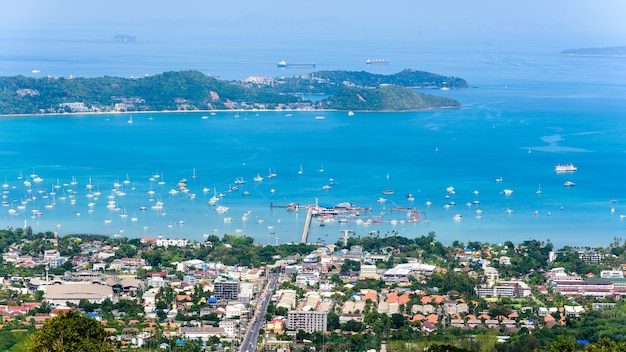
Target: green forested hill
pixel 386 98
pixel 193 90
pixel 328 82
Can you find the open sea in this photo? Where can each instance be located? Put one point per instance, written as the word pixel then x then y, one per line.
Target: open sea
pixel 473 172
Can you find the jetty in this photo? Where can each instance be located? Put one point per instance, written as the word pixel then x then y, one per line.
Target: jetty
pixel 307 224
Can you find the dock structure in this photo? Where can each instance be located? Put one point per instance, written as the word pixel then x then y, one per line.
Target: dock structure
pixel 307 224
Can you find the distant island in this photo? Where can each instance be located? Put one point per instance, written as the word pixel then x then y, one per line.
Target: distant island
pixel 196 91
pixel 614 51
pixel 124 38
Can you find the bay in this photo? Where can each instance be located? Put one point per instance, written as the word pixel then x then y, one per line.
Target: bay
pixel 517 133
pixel 526 112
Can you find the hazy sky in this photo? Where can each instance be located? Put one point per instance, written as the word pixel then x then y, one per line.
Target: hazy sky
pixel 594 22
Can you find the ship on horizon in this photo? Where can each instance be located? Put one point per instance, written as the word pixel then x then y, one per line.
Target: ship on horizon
pixel 376 62
pixel 284 64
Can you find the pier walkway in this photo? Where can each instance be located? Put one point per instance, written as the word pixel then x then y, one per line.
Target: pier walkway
pixel 307 224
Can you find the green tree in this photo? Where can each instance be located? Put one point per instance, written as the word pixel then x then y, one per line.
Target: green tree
pixel 71 331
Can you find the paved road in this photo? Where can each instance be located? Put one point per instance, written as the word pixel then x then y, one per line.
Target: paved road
pixel 249 341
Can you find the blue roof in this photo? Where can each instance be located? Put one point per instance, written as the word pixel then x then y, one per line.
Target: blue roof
pixel 326 205
pixel 584 342
pixel 212 300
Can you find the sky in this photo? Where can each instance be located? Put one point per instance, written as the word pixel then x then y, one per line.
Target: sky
pixel 236 38
pixel 593 22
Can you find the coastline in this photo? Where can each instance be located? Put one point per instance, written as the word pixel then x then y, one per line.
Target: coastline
pixel 56 114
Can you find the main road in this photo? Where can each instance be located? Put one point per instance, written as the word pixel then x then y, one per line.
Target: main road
pixel 249 343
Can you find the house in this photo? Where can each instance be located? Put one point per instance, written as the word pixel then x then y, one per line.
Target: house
pixel 202 333
pixel 276 325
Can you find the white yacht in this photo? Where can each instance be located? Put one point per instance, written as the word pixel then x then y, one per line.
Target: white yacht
pixel 565 168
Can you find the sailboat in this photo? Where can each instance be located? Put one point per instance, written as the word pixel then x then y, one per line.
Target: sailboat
pixel 130 119
pixel 193 175
pixel 539 191
pixel 213 200
pixel 300 170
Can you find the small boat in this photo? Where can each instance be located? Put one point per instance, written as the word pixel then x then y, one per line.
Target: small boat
pixel 539 191
pixel 499 179
pixel 410 197
pixel 326 187
pixel 350 113
pixel 381 200
pixel 257 178
pixel 507 192
pixel 457 217
pixel 320 117
pixel 388 192
pixel 220 209
pixel 569 184
pixel 204 117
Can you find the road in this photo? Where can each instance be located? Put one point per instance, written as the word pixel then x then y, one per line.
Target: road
pixel 249 343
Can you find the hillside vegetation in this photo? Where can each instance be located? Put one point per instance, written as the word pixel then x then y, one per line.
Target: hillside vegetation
pixel 193 90
pixel 386 98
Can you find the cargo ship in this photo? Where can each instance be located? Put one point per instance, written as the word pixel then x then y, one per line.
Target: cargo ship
pixel 284 64
pixel 376 62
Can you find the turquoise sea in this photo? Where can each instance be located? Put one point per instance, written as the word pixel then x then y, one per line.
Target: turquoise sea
pixel 524 114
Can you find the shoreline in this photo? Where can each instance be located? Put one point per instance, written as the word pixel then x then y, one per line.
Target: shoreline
pixel 56 114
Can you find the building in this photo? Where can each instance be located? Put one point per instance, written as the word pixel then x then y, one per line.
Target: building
pixel 368 271
pixel 226 289
pixel 612 274
pixel 401 272
pixel 590 257
pixel 166 242
pixel 491 276
pixel 60 294
pixel 505 290
pixel 309 321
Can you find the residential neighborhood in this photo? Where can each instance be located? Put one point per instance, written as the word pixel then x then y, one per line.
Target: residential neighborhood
pixel 350 295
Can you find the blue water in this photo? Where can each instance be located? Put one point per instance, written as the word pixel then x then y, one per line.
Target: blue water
pixel 525 113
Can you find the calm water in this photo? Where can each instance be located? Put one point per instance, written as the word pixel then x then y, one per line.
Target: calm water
pixel 525 114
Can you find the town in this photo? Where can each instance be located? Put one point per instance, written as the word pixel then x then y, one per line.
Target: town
pixel 379 292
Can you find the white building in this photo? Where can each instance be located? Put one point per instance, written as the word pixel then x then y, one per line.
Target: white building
pixel 612 274
pixel 60 294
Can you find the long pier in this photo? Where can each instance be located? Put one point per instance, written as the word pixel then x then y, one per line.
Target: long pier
pixel 307 225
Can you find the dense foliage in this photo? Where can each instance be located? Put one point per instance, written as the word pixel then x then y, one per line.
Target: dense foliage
pixel 329 82
pixel 193 90
pixel 186 90
pixel 385 98
pixel 71 331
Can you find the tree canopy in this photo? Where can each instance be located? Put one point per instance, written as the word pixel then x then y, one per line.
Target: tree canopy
pixel 72 331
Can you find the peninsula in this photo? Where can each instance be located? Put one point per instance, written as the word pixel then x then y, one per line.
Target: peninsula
pixel 196 91
pixel 613 51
